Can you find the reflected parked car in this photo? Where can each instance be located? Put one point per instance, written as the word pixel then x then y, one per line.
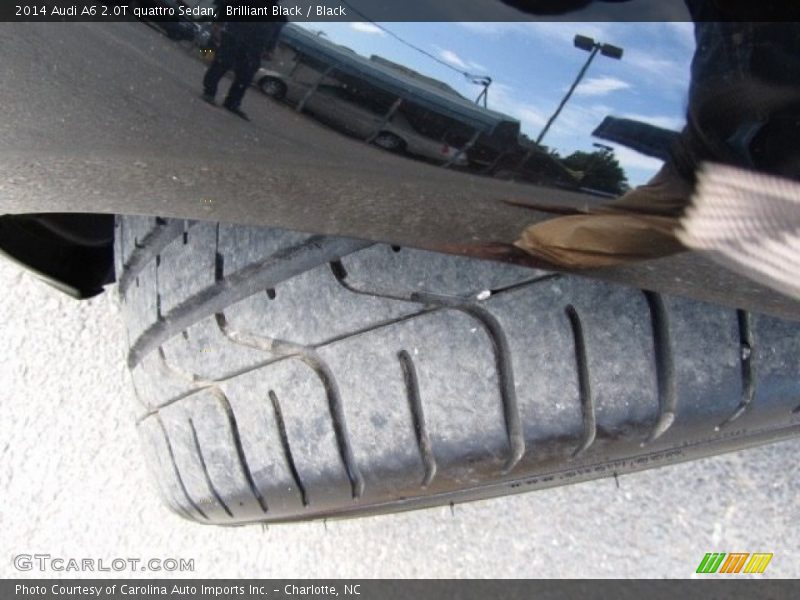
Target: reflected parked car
pixel 271 83
pixel 341 108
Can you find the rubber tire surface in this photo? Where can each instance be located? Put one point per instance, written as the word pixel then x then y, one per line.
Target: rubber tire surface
pixel 286 376
pixel 389 142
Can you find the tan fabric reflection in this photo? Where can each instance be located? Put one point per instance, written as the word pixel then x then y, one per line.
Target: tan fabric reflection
pixel 638 226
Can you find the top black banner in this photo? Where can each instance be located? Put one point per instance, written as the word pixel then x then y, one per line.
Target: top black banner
pixel 400 10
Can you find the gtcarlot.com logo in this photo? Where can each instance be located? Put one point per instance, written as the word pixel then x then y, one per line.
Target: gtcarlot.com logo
pixel 47 562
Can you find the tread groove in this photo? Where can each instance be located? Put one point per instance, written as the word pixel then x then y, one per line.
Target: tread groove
pixel 171 371
pixel 287 449
pixel 429 298
pixel 267 273
pixel 185 512
pixel 665 366
pixel 219 261
pixel 219 267
pixel 521 284
pixel 201 385
pixel 213 387
pixel 338 270
pixel 748 368
pixel 120 238
pixel 584 382
pixel 418 417
pixel 315 362
pixel 151 246
pixel 338 420
pixel 177 472
pixel 505 375
pixel 206 474
pixel 159 316
pixel 340 274
pixel 513 422
pixel 267 345
pixel 237 442
pixel 435 299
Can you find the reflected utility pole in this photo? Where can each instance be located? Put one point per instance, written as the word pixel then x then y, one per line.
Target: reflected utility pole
pixel 485 81
pixel 592 47
pixel 589 45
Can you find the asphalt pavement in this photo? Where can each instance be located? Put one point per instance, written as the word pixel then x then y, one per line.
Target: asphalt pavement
pixel 73 485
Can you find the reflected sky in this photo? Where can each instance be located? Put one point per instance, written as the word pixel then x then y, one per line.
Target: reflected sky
pixel 533 64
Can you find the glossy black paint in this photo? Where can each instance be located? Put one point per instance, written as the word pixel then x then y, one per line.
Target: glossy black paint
pixel 105 118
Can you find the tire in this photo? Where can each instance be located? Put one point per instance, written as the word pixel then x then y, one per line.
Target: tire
pixel 389 141
pixel 285 376
pixel 272 87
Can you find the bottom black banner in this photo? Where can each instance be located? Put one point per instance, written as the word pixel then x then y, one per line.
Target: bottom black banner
pixel 259 589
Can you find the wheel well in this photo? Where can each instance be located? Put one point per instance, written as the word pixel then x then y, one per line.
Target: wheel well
pixel 72 252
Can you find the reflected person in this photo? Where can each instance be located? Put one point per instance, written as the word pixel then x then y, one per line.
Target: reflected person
pixel 241 48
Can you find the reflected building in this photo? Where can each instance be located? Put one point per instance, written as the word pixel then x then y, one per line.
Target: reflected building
pixel 400 109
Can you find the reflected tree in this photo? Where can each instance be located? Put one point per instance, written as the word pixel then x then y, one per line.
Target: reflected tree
pixel 598 170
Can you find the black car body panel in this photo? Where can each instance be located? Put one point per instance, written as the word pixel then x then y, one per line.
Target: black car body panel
pixel 105 118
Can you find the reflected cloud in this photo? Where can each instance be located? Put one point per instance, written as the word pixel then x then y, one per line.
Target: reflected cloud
pixel 668 72
pixel 632 160
pixel 365 27
pixel 454 59
pixel 601 86
pixel 505 100
pixel 683 33
pixel 561 34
